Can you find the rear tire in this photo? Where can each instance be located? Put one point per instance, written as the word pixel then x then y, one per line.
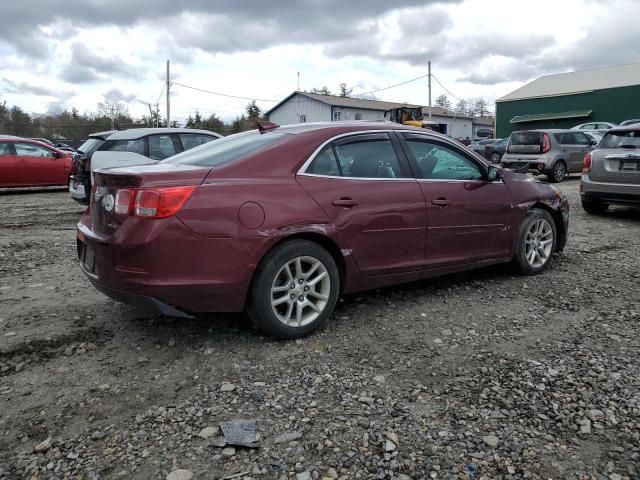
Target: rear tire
pixel 593 206
pixel 558 172
pixel 295 290
pixel 536 242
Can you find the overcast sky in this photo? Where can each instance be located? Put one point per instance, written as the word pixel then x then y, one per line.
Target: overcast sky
pixel 55 54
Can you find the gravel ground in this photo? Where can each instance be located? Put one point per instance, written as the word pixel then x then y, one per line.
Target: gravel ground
pixel 478 375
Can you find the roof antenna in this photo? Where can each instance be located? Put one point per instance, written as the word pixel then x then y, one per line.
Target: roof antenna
pixel 264 127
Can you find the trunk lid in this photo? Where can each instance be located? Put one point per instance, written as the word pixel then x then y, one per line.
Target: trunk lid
pixel 617 160
pixel 104 218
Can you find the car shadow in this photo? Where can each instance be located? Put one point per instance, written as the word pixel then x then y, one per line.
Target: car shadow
pixel 228 330
pixel 31 190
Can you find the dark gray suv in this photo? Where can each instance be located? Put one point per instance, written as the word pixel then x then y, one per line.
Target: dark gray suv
pixel 554 153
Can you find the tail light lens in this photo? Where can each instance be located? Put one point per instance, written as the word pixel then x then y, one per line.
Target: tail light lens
pixel 123 201
pixel 161 202
pixel 586 163
pixel 546 143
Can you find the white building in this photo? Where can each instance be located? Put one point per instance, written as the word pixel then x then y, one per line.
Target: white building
pixel 450 122
pixel 301 107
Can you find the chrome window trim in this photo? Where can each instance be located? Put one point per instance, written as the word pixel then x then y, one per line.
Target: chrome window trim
pixel 303 169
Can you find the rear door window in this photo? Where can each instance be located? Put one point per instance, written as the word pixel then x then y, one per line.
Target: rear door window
pixel 135 146
pixel 368 156
pixel 191 140
pixel 5 148
pixel 161 147
pixel 325 163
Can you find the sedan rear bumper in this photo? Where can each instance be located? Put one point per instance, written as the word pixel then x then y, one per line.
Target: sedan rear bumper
pixel 608 192
pixel 146 303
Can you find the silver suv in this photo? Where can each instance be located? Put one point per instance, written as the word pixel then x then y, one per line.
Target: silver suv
pixel 611 173
pixel 554 153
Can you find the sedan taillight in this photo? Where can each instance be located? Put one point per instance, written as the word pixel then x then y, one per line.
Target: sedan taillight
pixel 158 202
pixel 586 163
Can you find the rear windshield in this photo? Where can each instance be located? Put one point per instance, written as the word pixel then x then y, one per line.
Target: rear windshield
pixel 525 142
pixel 91 145
pixel 621 140
pixel 227 149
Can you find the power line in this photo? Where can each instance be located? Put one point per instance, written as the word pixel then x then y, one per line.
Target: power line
pixel 396 85
pixel 445 88
pixel 223 94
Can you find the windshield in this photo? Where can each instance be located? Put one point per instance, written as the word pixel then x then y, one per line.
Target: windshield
pixel 227 149
pixel 621 140
pixel 91 145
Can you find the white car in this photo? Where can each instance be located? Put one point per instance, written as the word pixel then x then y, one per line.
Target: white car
pixel 600 126
pixel 144 146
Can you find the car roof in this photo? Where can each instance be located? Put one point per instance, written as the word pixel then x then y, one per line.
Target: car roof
pixel 547 130
pixel 135 133
pixel 625 128
pixel 102 135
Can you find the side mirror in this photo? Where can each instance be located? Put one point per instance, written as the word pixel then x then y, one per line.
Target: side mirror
pixel 493 174
pixel 593 142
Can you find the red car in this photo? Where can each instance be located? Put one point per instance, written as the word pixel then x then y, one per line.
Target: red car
pixel 30 163
pixel 280 221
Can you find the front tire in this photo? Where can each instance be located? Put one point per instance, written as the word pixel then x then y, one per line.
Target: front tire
pixel 295 290
pixel 593 206
pixel 495 158
pixel 558 173
pixel 536 242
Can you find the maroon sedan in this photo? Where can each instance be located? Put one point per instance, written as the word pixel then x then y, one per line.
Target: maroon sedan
pixel 280 221
pixel 30 163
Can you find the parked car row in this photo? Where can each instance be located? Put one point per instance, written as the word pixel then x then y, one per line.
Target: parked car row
pixel 29 162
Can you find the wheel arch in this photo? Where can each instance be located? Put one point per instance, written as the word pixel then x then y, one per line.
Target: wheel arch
pixel 557 220
pixel 324 241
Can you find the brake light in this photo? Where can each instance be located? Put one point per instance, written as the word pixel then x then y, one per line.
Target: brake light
pixel 586 163
pixel 123 201
pixel 546 143
pixel 161 202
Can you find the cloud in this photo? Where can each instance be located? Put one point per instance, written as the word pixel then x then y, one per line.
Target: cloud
pixel 40 90
pixel 116 96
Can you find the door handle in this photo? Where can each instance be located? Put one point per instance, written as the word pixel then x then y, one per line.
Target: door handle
pixel 345 203
pixel 440 202
pixel 563 149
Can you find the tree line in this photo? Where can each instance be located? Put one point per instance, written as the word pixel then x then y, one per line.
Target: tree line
pixel 73 126
pixel 477 107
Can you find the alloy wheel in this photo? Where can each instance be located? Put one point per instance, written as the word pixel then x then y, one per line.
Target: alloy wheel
pixel 495 158
pixel 538 243
pixel 300 291
pixel 559 172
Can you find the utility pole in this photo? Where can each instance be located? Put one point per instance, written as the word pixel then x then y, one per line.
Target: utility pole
pixel 168 105
pixel 429 76
pixel 298 81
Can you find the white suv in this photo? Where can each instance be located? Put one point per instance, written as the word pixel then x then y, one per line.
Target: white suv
pixel 144 146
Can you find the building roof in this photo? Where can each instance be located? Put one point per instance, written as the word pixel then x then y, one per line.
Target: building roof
pixel 443 112
pixel 538 117
pixel 348 102
pixel 578 82
pixel 484 121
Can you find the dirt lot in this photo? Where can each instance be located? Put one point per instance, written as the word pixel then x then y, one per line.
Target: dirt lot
pixel 477 375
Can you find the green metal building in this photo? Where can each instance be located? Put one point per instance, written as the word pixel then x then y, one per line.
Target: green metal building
pixel 610 94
